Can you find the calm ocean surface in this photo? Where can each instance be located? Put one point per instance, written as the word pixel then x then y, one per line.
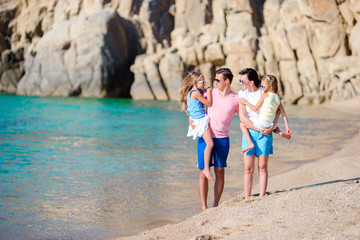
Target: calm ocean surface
pixel 93 169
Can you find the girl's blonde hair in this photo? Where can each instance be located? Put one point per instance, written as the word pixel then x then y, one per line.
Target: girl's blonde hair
pixel 186 85
pixel 272 83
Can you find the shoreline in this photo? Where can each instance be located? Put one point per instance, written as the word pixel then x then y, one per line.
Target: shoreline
pixel 317 199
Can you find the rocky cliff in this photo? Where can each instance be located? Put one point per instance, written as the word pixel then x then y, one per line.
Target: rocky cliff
pixel 142 48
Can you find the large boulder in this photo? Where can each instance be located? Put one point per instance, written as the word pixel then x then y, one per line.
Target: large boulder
pixel 345 82
pixel 355 40
pixel 171 68
pixel 192 15
pixel 155 78
pixel 140 89
pixel 89 56
pixel 324 11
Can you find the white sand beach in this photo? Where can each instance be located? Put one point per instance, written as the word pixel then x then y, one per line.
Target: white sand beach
pixel 317 200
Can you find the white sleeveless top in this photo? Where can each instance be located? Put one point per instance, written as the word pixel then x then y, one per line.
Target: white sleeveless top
pixel 252 98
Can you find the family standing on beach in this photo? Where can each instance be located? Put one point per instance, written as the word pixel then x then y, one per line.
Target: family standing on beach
pixel 258 107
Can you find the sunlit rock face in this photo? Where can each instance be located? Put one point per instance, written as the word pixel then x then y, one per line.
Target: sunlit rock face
pixel 70 48
pixel 89 56
pixel 312 46
pixel 141 49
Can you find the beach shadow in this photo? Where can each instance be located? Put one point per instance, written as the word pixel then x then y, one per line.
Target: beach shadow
pixel 309 186
pixel 326 183
pixel 207 237
pixel 313 185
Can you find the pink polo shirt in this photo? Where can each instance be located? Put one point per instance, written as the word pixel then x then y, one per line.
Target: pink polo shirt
pixel 222 112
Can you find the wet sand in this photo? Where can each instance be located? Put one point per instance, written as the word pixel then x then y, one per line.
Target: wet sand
pixel 316 200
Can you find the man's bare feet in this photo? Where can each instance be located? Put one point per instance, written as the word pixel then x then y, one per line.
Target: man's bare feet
pixel 285 135
pixel 208 175
pixel 250 146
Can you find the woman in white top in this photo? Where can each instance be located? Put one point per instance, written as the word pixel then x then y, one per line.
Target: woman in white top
pixel 262 139
pixel 268 104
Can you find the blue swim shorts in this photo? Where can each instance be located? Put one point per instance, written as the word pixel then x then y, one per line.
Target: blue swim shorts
pixel 263 143
pixel 219 152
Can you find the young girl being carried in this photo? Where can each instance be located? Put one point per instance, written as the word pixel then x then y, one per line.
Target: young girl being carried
pixel 192 102
pixel 268 104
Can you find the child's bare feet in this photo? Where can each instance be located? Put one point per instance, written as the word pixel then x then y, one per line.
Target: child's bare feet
pixel 250 146
pixel 208 175
pixel 285 135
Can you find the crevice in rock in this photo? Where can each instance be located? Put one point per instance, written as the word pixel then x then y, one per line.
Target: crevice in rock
pixel 347 45
pixel 225 21
pixel 163 83
pixel 33 53
pixel 150 88
pixel 66 46
pixel 257 16
pixel 66 70
pixel 118 77
pixel 295 55
pixel 209 13
pixel 315 66
pixel 106 2
pixel 135 9
pixel 166 26
pixel 295 101
pixel 75 92
pixel 92 77
pixel 38 30
pixel 189 69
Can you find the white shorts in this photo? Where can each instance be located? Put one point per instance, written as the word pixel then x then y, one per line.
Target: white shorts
pixel 262 123
pixel 200 127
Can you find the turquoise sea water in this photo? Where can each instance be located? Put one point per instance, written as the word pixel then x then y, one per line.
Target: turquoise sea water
pixel 93 169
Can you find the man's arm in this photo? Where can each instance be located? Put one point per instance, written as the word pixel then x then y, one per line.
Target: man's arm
pixel 191 123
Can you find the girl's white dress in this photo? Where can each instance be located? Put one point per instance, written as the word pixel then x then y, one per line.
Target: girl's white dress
pixel 262 123
pixel 264 118
pixel 201 126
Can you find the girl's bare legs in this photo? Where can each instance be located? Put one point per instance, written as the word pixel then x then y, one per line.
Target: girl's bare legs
pixel 282 134
pixel 263 172
pixel 246 134
pixel 249 163
pixel 207 153
pixel 203 190
pixel 219 184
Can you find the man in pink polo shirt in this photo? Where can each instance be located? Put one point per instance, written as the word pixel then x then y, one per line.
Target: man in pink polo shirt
pixel 225 103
